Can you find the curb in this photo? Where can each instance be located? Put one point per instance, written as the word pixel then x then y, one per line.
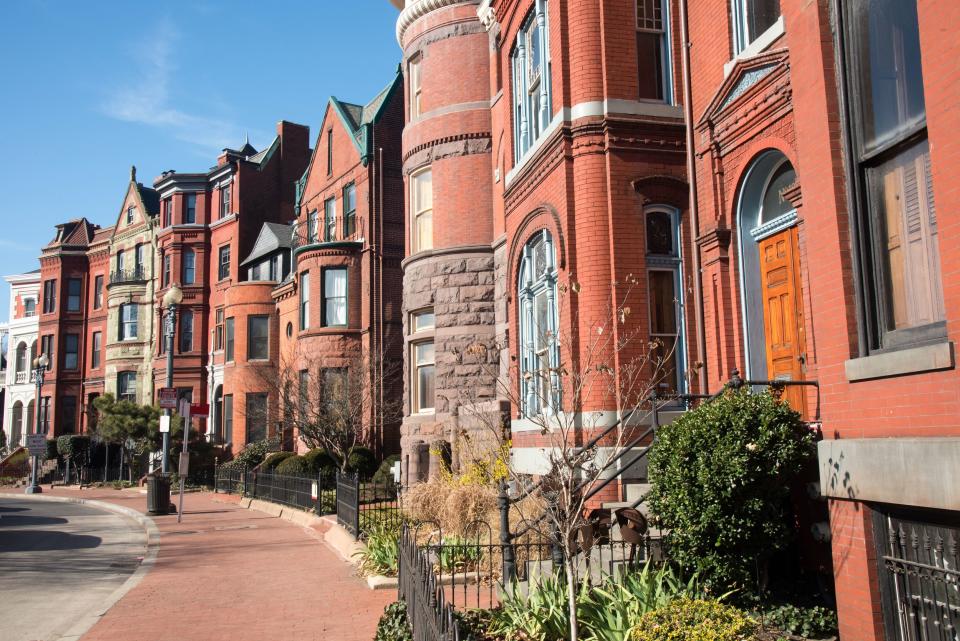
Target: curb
pixel 149 559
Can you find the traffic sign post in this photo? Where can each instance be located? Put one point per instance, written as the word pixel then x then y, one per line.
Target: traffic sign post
pixel 37 445
pixel 186 412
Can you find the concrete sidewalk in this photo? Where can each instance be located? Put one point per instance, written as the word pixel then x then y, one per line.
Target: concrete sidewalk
pixel 233 574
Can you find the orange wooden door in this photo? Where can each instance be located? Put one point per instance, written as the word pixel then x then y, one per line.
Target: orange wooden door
pixel 783 313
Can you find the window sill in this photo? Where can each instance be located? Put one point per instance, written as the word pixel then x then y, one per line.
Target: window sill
pixel 758 46
pixel 928 358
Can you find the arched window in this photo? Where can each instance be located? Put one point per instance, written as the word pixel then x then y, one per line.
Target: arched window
pixel 22 365
pixel 665 291
pixel 218 415
pixel 539 349
pixel 31 425
pixel 17 427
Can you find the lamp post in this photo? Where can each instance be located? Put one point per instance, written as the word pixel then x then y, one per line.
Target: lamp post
pixel 40 365
pixel 171 299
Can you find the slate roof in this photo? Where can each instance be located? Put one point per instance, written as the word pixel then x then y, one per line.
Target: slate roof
pixel 150 198
pixel 273 236
pixel 360 115
pixel 74 233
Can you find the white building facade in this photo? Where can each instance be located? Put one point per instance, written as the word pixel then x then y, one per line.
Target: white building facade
pixel 22 327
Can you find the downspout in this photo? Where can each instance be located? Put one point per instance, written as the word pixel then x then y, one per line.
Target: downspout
pixel 694 207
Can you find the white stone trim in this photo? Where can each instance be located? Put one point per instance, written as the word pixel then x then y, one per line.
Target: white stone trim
pixel 536 461
pixel 416 9
pixel 899 362
pixel 758 46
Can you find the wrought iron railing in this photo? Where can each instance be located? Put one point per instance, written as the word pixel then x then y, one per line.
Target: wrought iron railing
pixel 135 275
pixel 314 493
pixel 348 502
pixel 306 233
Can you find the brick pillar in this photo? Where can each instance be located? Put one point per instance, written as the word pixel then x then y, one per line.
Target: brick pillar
pixel 855 571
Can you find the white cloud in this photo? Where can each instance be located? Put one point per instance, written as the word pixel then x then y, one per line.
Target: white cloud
pixel 148 101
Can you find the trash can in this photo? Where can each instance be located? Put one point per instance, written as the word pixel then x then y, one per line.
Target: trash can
pixel 158 494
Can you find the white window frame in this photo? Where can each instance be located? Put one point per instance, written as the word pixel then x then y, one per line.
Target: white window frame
pixel 416 367
pixel 418 212
pixel 529 92
pixel 327 298
pixel 538 349
pixel 416 87
pixel 666 77
pixel 129 322
pixel 304 300
pixel 330 219
pixel 742 45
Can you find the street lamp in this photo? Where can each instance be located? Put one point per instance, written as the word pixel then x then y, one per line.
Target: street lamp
pixel 171 299
pixel 40 365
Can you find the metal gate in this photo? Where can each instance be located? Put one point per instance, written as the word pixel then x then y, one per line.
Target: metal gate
pixel 348 502
pixel 919 558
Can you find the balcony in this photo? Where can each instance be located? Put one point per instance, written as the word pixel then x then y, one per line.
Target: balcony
pixel 321 235
pixel 21 378
pixel 129 276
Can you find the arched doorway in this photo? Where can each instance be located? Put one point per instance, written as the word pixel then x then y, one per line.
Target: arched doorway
pixel 773 325
pixel 16 432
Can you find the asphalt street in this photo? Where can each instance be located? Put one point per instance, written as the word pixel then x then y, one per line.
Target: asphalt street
pixel 58 563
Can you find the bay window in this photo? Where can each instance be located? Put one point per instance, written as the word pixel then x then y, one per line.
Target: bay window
pixel 334 297
pixel 421 208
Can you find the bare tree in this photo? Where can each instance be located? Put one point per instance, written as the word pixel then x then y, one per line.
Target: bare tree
pixel 335 403
pixel 607 362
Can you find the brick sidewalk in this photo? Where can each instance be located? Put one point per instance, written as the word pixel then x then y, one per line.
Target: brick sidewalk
pixel 232 574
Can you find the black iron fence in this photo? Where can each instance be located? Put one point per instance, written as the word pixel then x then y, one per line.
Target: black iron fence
pixel 430 616
pixel 348 503
pixel 314 493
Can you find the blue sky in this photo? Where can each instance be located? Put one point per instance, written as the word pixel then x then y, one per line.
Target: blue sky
pixel 89 88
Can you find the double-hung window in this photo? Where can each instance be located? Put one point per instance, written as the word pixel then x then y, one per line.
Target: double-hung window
pixel 121 263
pixel 167 267
pixel 228 418
pixel 539 347
pixel 751 19
pixel 218 334
pixel 421 210
pixel 530 61
pixel 98 292
pixel 49 296
pixel 190 209
pixel 46 347
pixel 653 50
pixel 334 297
pixel 896 220
pixel 71 349
pixel 423 376
pixel 228 348
pixel 223 263
pixel 349 210
pixel 413 77
pixel 186 331
pixel 225 201
pixel 128 322
pixel 304 300
pixel 127 386
pixel 74 287
pixel 664 292
pixel 313 226
pixel 258 338
pixel 330 219
pixel 95 349
pixel 140 260
pixel 256 417
pixel 189 268
pixel 130 210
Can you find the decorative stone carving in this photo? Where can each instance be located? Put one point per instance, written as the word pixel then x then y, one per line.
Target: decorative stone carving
pixel 487 15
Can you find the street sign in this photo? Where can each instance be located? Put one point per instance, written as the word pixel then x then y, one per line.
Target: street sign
pixel 168 398
pixel 37 444
pixel 184 411
pixel 184 465
pixel 199 410
pixel 164 424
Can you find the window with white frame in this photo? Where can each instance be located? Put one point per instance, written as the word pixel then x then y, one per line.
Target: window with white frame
pixel 349 210
pixel 421 210
pixel 653 50
pixel 313 226
pixel 128 322
pixel 530 61
pixel 304 300
pixel 330 219
pixel 423 320
pixel 539 348
pixel 413 78
pixel 334 297
pixel 225 204
pixel 751 18
pixel 127 386
pixel 665 298
pixel 130 210
pixel 423 387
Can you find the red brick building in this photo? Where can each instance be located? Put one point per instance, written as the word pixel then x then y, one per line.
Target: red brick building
pixel 341 308
pixel 824 132
pixel 554 144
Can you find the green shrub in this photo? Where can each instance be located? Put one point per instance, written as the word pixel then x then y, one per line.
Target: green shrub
pixel 293 466
pixel 52 451
pixel 274 459
pixel 393 624
pixel 815 622
pixel 539 614
pixel 251 455
pixel 382 552
pixel 695 620
pixel 320 461
pixel 363 461
pixel 721 478
pixel 609 611
pixel 384 473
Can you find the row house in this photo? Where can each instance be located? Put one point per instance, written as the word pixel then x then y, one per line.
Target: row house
pixel 226 326
pixel 341 307
pixel 544 160
pixel 19 398
pixel 824 138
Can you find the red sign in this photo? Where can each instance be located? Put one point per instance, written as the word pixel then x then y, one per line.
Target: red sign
pixel 199 410
pixel 167 397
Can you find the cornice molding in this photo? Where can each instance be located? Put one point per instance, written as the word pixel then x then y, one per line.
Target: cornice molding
pixel 416 10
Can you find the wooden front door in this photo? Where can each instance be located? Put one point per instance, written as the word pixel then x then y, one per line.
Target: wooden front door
pixel 783 313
